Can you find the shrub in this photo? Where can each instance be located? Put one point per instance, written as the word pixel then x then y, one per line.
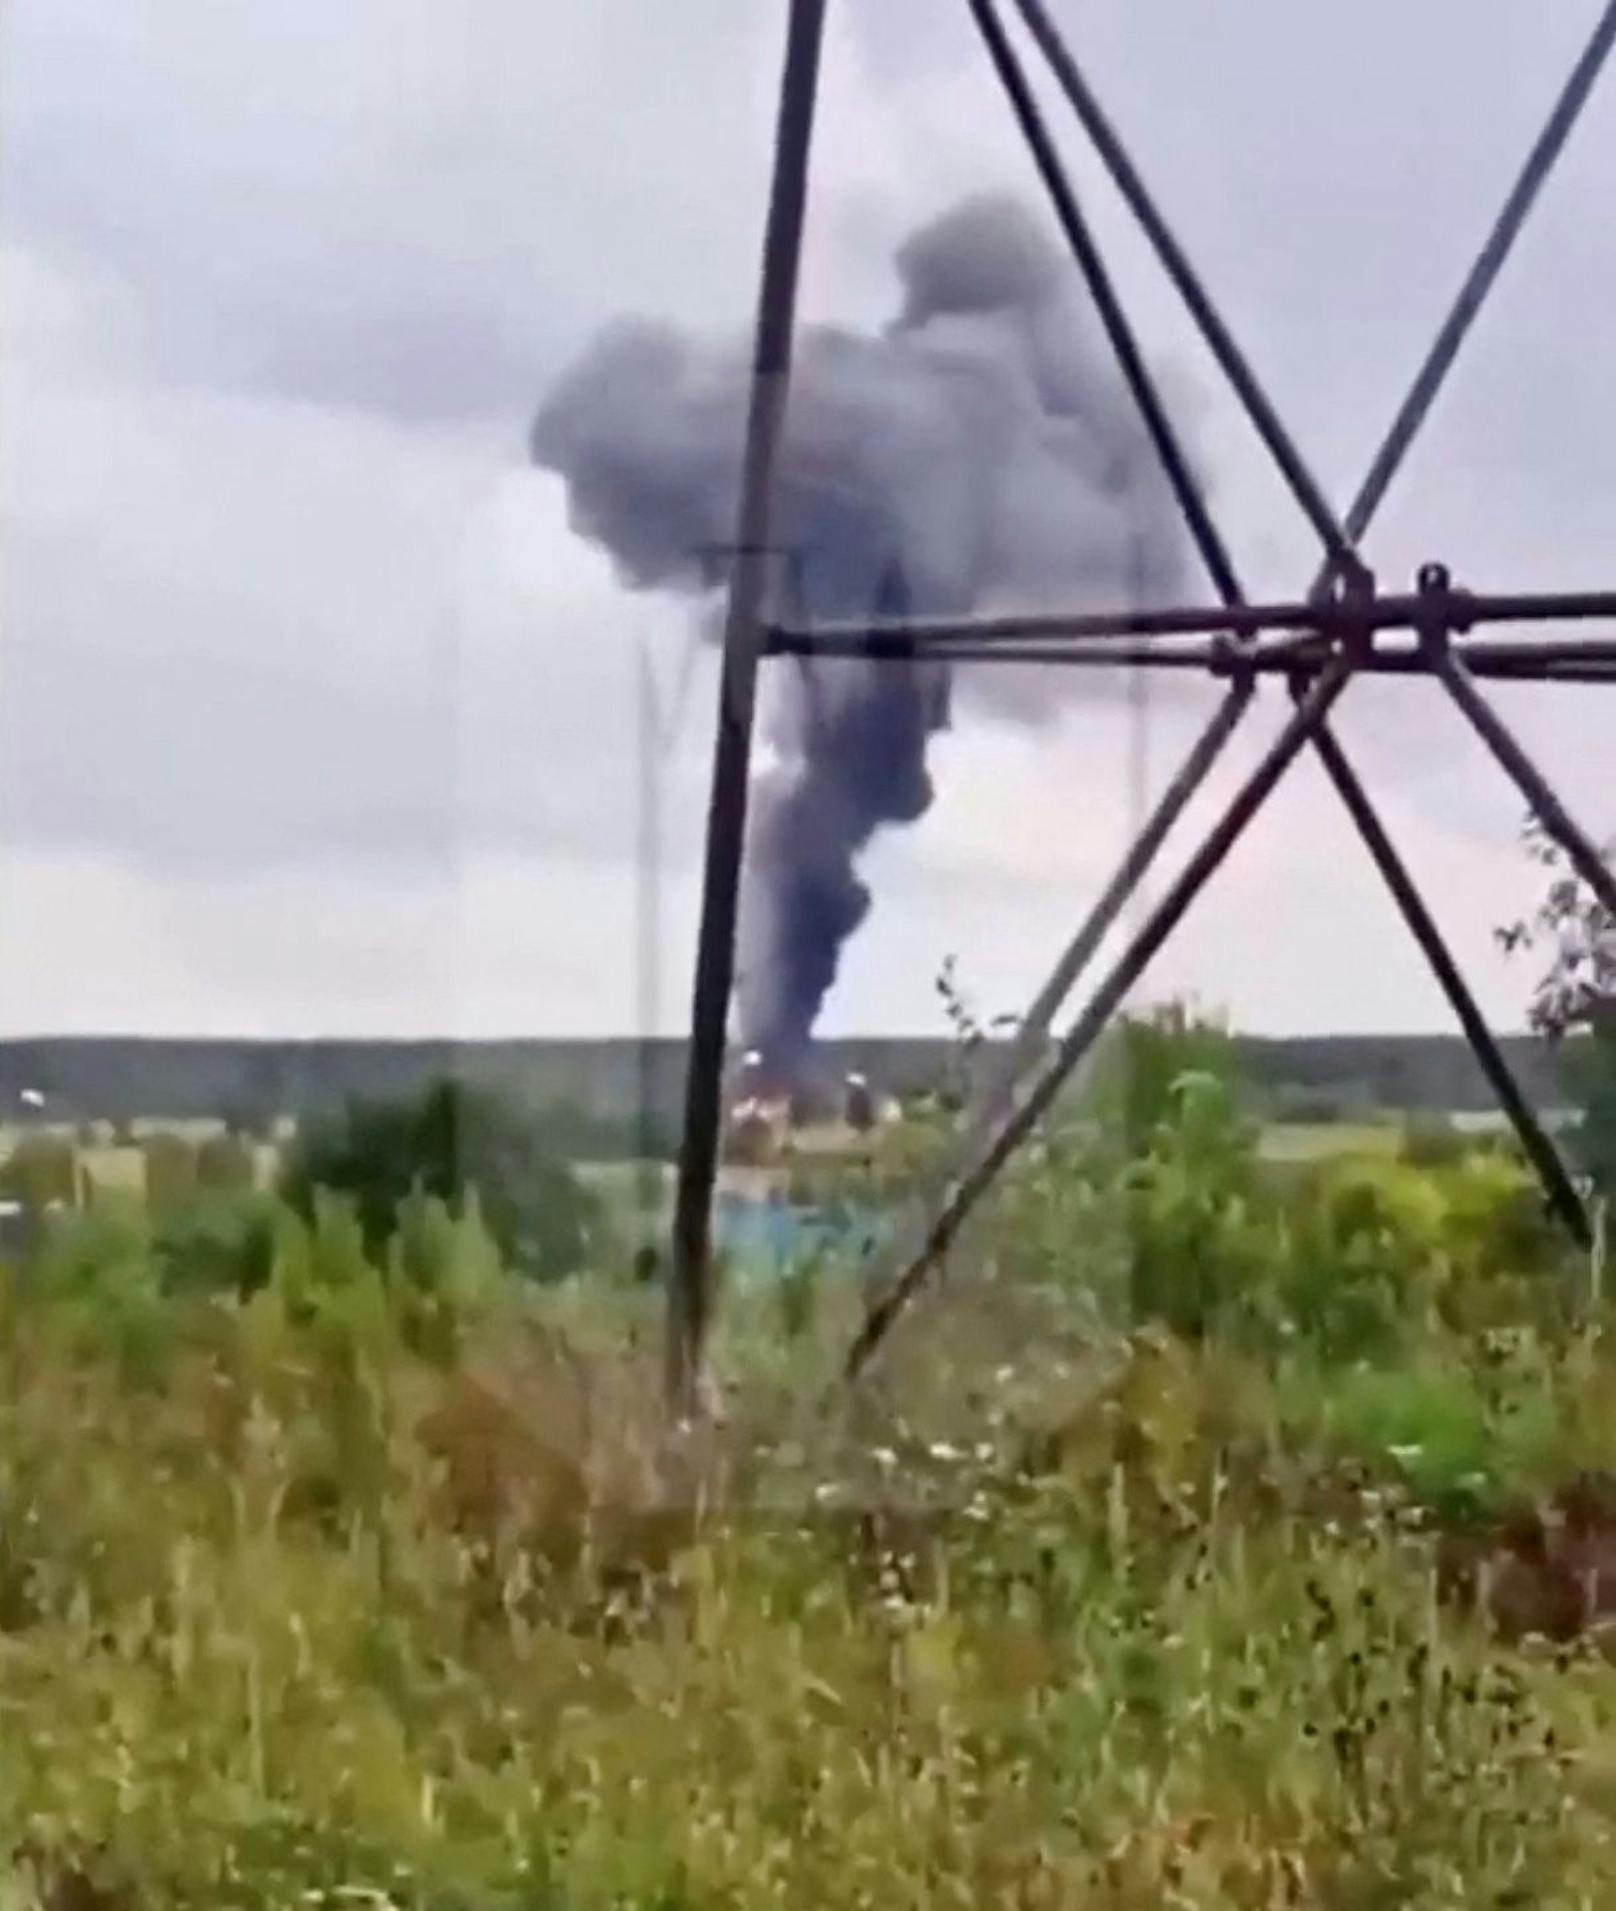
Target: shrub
pixel 96 1278
pixel 41 1170
pixel 171 1171
pixel 1576 994
pixel 1495 1221
pixel 221 1242
pixel 1432 1141
pixel 372 1603
pixel 226 1163
pixel 444 1143
pixel 443 1270
pixel 1365 1256
pixel 1201 1244
pixel 1429 1420
pixel 1148 1195
pixel 1139 1071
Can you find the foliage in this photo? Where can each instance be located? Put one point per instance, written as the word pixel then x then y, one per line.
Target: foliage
pixel 1157 1196
pixel 1593 1081
pixel 1432 1141
pixel 338 1567
pixel 221 1243
pixel 1364 1257
pixel 40 1170
pixel 1201 1241
pixel 171 1170
pixel 446 1143
pixel 1576 991
pixel 1154 1169
pixel 1139 1080
pixel 226 1164
pixel 332 1620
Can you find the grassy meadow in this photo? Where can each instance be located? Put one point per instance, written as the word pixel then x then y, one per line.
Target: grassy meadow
pixel 1223 1532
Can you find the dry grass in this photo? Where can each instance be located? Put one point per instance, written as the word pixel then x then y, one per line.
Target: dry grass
pixel 296 1616
pixel 391 1587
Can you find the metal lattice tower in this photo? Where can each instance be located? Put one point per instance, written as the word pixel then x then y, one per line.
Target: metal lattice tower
pixel 1344 626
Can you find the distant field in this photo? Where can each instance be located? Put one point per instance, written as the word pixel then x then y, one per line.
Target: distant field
pixel 1319 1140
pixel 115 1170
pixel 120 1167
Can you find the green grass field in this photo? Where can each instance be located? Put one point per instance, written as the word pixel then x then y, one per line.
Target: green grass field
pixel 1320 1141
pixel 1181 1552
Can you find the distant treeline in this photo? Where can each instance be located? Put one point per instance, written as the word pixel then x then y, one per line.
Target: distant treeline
pixel 618 1094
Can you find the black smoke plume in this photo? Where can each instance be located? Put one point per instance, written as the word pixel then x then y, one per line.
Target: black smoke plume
pixel 981 453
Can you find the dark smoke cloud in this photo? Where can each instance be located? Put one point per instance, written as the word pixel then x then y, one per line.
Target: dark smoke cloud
pixel 979 454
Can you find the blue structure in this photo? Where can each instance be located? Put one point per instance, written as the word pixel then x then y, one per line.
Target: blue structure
pixel 763 1238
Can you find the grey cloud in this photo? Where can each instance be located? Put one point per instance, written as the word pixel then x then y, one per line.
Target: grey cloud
pixel 239 635
pixel 385 204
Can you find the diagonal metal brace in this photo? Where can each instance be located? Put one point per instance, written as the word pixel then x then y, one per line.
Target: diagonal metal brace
pixel 1164 918
pixel 1339 542
pixel 1545 1157
pixel 1527 778
pixel 1026 1046
pixel 1113 318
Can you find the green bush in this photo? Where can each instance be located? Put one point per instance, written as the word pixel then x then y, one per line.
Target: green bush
pixel 171 1170
pixel 1135 1088
pixel 444 1270
pixel 1149 1196
pixel 1351 1256
pixel 1364 1259
pixel 219 1243
pixel 445 1143
pixel 41 1170
pixel 1428 1420
pixel 1432 1141
pixel 95 1275
pixel 324 1578
pixel 226 1164
pixel 1202 1244
pixel 318 1624
pixel 1495 1220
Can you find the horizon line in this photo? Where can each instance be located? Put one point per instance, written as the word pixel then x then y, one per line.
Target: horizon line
pixel 601 1040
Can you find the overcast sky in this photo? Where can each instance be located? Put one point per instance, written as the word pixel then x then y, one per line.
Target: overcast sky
pixel 314 715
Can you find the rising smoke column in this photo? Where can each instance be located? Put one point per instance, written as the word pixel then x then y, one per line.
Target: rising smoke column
pixel 981 453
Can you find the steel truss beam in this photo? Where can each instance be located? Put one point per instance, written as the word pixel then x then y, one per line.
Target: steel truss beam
pixel 1459 610
pixel 1328 617
pixel 1317 644
pixel 1075 1046
pixel 690 1274
pixel 1552 663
